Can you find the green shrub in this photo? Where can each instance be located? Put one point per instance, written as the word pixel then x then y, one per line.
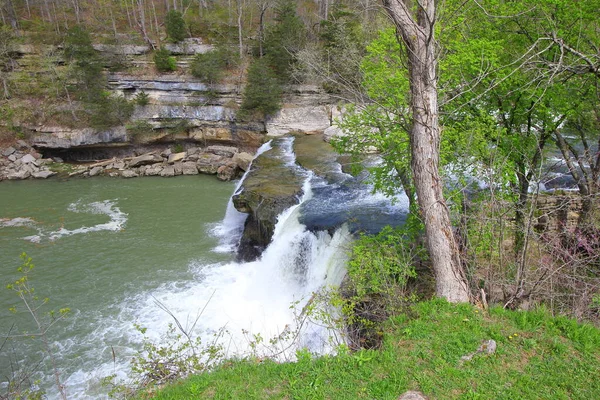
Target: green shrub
pixel 109 111
pixel 209 67
pixel 381 264
pixel 142 99
pixel 175 25
pixel 262 95
pixel 163 61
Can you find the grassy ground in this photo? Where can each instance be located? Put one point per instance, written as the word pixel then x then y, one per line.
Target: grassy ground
pixel 537 357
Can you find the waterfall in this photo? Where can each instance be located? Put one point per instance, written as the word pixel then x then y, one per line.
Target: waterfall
pixel 230 230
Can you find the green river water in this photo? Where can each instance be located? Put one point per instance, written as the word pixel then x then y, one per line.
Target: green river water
pixel 95 244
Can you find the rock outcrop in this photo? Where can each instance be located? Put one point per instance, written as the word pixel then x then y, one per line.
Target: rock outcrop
pixel 271 186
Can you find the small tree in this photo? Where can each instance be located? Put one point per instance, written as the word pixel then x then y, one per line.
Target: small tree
pixel 262 95
pixel 163 61
pixel 175 25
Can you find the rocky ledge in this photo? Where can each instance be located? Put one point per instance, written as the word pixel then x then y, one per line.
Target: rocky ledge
pixel 273 184
pixel 224 161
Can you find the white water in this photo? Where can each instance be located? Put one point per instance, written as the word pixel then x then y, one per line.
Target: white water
pixel 117 221
pixel 264 298
pixel 230 230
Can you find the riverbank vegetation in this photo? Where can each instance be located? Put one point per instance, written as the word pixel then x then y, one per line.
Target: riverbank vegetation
pixel 537 356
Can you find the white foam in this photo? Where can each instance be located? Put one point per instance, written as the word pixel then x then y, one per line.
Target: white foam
pixel 249 300
pixel 16 222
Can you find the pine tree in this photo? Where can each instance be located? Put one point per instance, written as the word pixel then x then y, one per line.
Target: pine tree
pixel 175 25
pixel 262 95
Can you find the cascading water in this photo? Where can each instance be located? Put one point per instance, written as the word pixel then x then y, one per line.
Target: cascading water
pixel 307 253
pixel 229 231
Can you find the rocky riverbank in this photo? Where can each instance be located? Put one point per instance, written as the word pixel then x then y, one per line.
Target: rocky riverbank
pixel 226 162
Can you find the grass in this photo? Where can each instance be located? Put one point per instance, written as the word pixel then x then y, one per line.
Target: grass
pixel 538 357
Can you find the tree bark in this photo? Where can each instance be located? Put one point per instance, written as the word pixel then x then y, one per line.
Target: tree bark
pixel 417 34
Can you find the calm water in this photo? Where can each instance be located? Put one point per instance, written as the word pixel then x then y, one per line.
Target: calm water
pixel 99 245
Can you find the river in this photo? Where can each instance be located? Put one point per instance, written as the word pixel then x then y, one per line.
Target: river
pixel 111 250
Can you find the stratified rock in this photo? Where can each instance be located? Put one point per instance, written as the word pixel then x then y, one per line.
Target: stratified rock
pixel 243 160
pixel 189 168
pixel 145 159
pixel 312 119
pixel 224 151
pixel 176 157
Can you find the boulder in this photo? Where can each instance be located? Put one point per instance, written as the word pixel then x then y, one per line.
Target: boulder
pixel 22 145
pixel 168 171
pixel 129 174
pixel 178 168
pixel 193 150
pixel 12 158
pixel 243 160
pixel 224 151
pixel 145 159
pixel 189 168
pixel 154 170
pixel 176 157
pixel 20 174
pixel 412 395
pixel 7 152
pixel 209 163
pixel 226 173
pixel 332 132
pixel 96 171
pixel 28 159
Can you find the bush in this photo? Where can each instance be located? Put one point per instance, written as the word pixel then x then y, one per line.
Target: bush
pixel 175 25
pixel 142 99
pixel 209 67
pixel 109 111
pixel 163 61
pixel 262 95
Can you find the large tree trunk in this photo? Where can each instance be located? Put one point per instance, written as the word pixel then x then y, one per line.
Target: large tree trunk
pixel 418 36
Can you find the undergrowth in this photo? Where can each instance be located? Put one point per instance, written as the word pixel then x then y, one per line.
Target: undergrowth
pixel 537 356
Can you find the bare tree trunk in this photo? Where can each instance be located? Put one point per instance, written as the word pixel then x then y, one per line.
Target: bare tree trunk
pixel 418 36
pixel 239 23
pixel 261 27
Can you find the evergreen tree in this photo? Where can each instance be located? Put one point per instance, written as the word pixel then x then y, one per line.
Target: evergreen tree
pixel 262 95
pixel 284 39
pixel 175 25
